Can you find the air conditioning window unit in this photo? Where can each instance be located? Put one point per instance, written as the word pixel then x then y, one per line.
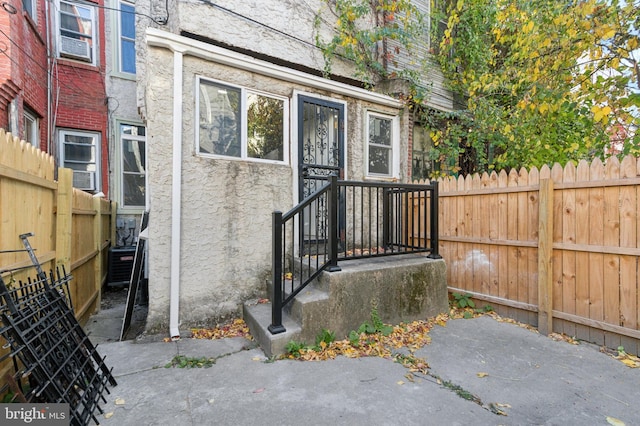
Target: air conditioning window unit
pixel 75 47
pixel 84 180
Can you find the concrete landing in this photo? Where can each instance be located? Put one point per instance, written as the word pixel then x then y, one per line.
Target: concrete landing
pixel 401 288
pixel 531 378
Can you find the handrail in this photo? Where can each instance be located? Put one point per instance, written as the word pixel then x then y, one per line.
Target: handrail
pixel 348 220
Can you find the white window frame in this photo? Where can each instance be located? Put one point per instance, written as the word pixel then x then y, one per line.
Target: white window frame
pixel 31 9
pixel 244 123
pixel 120 39
pixel 31 132
pixel 62 133
pixel 394 160
pixel 121 137
pixel 93 51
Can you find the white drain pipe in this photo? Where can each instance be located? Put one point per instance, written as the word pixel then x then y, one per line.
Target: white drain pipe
pixel 176 197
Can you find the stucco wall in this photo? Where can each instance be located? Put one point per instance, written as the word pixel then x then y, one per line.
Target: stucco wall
pixel 289 30
pixel 226 204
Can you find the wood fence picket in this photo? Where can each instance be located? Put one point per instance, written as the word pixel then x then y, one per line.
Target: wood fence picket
pixel 489 237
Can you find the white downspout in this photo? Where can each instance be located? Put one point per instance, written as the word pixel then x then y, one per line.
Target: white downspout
pixel 176 198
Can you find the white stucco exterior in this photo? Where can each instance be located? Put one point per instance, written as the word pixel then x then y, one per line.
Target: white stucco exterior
pixel 226 204
pixel 210 217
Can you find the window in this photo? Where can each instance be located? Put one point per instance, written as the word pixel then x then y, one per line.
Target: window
pixel 77 31
pixel 80 152
pixel 236 122
pixel 382 149
pixel 133 165
pixel 422 166
pixel 29 6
pixel 31 128
pixel 127 38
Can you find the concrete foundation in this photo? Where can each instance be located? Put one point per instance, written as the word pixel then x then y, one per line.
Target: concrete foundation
pixel 401 288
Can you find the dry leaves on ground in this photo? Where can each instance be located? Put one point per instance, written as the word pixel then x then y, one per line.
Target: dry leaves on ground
pixel 629 360
pixel 236 328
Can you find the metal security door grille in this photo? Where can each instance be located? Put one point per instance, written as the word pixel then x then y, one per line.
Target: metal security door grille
pixel 321 154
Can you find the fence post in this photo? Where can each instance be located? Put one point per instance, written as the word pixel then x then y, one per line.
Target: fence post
pixel 333 225
pixel 276 326
pixel 434 223
pixel 64 216
pixel 545 253
pixel 97 240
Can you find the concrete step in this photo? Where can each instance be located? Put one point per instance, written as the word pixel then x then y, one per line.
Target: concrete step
pixel 258 318
pixel 400 288
pixel 303 319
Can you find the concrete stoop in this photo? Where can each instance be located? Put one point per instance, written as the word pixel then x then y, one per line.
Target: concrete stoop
pixel 401 288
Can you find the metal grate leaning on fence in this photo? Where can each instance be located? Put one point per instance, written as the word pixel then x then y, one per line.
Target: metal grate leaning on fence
pixel 49 347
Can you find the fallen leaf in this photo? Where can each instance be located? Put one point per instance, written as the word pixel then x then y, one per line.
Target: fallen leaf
pixel 400 382
pixel 630 363
pixel 493 407
pixel 481 375
pixel 256 358
pixel 108 415
pixel 615 422
pixel 119 401
pixel 409 377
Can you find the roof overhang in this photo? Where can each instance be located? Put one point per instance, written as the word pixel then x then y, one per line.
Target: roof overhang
pixel 199 49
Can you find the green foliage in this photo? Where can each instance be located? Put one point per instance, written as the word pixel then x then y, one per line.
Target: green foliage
pixel 354 338
pixel 323 340
pixel 355 39
pixel 327 337
pixel 375 326
pixel 293 348
pixel 545 81
pixel 8 397
pixel 463 300
pixel 487 308
pixel 181 361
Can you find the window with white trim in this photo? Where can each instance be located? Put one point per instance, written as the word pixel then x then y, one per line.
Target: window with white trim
pixel 31 128
pixel 76 32
pixel 382 145
pixel 29 6
pixel 127 38
pixel 132 165
pixel 80 152
pixel 240 123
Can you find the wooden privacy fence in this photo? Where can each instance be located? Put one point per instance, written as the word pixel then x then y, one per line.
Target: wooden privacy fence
pixel 71 228
pixel 556 248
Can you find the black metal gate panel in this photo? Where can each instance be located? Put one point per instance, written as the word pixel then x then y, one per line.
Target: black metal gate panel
pixel 49 347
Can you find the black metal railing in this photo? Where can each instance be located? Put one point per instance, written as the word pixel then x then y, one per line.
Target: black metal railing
pixel 348 220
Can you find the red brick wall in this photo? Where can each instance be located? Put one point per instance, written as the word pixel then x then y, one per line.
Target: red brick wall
pixel 78 89
pixel 82 97
pixel 33 50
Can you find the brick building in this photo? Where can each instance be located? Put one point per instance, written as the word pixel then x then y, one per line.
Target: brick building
pixel 52 84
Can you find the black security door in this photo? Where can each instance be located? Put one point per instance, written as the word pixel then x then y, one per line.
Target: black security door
pixel 321 154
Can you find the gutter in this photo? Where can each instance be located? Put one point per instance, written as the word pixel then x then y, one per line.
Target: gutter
pixel 176 197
